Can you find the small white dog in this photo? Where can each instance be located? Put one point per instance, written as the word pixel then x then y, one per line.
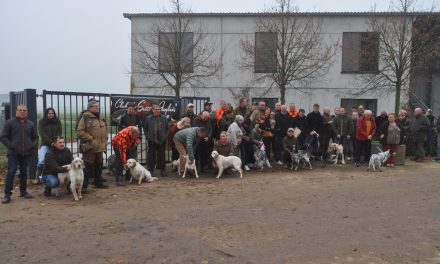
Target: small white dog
pixel 338 149
pixel 226 162
pixel 175 165
pixel 75 176
pixel 378 159
pixel 138 172
pixel 189 167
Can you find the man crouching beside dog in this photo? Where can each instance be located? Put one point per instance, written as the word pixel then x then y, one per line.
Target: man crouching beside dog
pixel 126 139
pixel 186 141
pixel 56 160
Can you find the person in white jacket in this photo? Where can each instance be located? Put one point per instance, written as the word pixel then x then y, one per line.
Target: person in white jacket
pixel 236 134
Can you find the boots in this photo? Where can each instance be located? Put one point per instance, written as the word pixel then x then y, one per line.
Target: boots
pixel 7 199
pixel 120 181
pixel 47 191
pixel 97 173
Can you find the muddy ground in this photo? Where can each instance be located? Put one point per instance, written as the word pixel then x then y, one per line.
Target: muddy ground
pixel 339 214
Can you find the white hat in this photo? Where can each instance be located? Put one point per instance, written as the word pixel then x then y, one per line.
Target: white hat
pixel 190 105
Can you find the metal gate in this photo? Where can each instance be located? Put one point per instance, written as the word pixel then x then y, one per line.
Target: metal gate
pixel 69 105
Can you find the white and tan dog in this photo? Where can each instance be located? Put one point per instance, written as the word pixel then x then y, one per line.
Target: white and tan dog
pixel 75 176
pixel 338 149
pixel 175 165
pixel 191 167
pixel 378 159
pixel 138 172
pixel 226 162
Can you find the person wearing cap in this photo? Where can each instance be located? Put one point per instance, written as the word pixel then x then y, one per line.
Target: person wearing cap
pixel 202 152
pixel 156 131
pixel 190 112
pixel 207 106
pixel 289 147
pixel 92 132
pixel 126 139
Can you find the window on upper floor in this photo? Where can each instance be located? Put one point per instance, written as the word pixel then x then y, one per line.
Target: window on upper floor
pixel 360 52
pixel 176 51
pixel 265 52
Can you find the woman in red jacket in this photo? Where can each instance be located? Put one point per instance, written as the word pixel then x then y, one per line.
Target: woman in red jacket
pixel 365 130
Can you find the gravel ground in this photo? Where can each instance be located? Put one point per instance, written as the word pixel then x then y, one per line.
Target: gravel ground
pixel 340 214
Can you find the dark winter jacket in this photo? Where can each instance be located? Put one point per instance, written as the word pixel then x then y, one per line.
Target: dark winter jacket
pixel 49 129
pixel 19 138
pixel 342 125
pixel 404 124
pixel 380 120
pixel 282 123
pixel 314 121
pixel 130 120
pixel 198 122
pixel 55 160
pixel 288 143
pixel 418 126
pixel 190 115
pixel 149 129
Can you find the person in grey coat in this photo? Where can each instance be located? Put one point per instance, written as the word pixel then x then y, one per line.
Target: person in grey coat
pixel 156 130
pixel 418 127
pixel 186 141
pixel 19 135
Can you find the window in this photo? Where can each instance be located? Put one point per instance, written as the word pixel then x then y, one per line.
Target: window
pixel 265 52
pixel 370 104
pixel 176 51
pixel 360 52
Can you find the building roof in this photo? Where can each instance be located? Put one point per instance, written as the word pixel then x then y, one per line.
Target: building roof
pixel 252 14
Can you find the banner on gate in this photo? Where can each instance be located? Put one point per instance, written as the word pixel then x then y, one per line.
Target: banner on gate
pixel 170 107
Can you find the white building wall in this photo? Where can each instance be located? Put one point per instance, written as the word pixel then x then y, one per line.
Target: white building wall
pixel 227 31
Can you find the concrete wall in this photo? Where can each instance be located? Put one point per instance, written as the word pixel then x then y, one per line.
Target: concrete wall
pixel 227 31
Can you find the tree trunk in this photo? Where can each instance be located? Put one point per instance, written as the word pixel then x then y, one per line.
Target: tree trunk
pixel 283 94
pixel 176 91
pixel 397 99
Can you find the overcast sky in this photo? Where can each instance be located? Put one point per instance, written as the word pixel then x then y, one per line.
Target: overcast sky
pixel 84 45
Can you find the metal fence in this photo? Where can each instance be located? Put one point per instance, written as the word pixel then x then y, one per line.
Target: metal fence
pixel 69 105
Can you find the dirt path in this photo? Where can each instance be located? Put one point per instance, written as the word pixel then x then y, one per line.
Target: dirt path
pixel 333 215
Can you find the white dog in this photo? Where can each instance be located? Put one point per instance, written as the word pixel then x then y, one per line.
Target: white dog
pixel 175 165
pixel 226 162
pixel 338 149
pixel 189 167
pixel 75 176
pixel 138 172
pixel 378 159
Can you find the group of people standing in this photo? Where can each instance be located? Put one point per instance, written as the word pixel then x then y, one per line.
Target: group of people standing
pixel 229 131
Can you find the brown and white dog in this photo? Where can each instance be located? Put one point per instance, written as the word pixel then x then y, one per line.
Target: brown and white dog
pixel 75 176
pixel 338 150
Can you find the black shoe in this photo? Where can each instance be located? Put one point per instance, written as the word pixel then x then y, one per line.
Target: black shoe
pixel 84 190
pixel 104 180
pixel 7 199
pixel 26 195
pixel 101 186
pixel 47 192
pixel 357 164
pixel 163 173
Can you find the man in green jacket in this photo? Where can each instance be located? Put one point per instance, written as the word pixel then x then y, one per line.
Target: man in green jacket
pixel 186 141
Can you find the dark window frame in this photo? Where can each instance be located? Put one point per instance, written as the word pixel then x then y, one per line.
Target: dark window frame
pixel 265 57
pixel 362 58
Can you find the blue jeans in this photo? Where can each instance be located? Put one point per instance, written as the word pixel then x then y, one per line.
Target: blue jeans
pixel 51 180
pixel 438 145
pixel 14 161
pixel 42 155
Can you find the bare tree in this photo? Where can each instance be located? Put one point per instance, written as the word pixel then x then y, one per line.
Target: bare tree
pixel 293 52
pixel 176 53
pixel 399 43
